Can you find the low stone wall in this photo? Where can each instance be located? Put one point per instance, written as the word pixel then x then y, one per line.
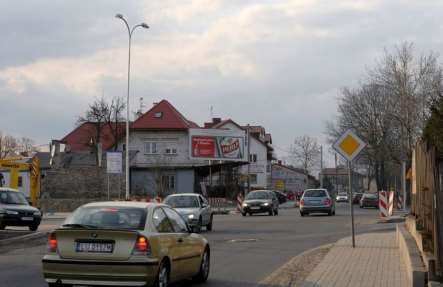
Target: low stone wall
pixel 64 204
pixel 410 256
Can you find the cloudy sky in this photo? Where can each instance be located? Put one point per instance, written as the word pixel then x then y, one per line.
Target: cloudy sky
pixel 279 64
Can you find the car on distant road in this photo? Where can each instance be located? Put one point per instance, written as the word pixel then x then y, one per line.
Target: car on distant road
pixel 316 201
pixel 342 197
pixel 125 244
pixel 260 201
pixel 281 196
pixel 194 208
pixel 369 199
pixel 16 211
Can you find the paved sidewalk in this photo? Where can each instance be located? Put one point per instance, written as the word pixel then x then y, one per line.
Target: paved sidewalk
pixel 375 261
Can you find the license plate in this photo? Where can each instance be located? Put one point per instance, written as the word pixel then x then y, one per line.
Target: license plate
pixel 94 247
pixel 27 218
pixel 255 207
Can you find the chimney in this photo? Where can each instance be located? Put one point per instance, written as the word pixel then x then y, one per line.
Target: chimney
pixel 279 162
pixel 216 120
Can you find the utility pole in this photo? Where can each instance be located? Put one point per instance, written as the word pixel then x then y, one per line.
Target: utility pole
pixel 321 166
pixel 403 183
pixel 350 203
pixel 249 159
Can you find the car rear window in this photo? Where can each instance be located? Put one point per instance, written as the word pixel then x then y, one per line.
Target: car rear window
pixel 315 193
pixel 109 217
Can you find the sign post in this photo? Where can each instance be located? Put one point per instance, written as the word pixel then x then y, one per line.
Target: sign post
pixel 349 145
pixel 114 164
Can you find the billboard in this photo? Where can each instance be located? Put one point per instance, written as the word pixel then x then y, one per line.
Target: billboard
pixel 114 162
pixel 218 144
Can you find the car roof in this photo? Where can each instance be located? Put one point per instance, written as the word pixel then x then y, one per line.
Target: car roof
pixel 316 189
pixel 184 194
pixel 261 190
pixel 8 189
pixel 138 204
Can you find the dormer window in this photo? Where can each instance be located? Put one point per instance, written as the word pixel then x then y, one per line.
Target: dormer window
pixel 158 115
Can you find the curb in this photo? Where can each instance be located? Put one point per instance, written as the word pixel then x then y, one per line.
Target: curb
pixel 35 235
pixel 280 271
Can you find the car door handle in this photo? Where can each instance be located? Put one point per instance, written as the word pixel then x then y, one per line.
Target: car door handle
pixel 180 240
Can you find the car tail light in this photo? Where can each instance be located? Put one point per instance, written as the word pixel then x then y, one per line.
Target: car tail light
pixel 302 202
pixel 141 246
pixel 52 242
pixel 327 201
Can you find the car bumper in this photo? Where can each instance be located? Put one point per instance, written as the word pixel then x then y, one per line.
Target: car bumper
pixel 369 204
pixel 17 220
pixel 316 209
pixel 342 200
pixel 99 273
pixel 257 209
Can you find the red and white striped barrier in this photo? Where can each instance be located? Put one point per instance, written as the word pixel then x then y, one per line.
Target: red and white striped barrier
pixel 383 204
pixel 399 202
pixel 391 203
pixel 239 202
pixel 386 203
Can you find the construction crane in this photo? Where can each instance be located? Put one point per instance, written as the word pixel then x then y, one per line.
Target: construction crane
pixel 16 164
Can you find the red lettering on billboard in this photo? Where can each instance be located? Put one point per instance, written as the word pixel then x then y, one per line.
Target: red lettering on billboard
pixel 203 147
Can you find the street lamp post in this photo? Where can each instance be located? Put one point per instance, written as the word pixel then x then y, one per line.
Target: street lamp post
pixel 130 31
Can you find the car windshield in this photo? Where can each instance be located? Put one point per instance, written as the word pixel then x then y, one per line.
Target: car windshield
pixel 182 201
pixel 258 195
pixel 315 193
pixel 342 194
pixel 370 195
pixel 12 197
pixel 109 217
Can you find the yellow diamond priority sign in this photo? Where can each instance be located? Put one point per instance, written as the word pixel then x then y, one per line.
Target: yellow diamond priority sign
pixel 349 145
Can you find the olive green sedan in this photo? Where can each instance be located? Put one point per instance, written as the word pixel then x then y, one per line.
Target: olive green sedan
pixel 125 244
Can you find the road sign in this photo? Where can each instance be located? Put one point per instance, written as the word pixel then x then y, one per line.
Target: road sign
pixel 349 145
pixel 114 162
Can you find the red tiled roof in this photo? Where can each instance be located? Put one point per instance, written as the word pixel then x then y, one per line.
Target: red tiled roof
pixel 170 118
pixel 80 138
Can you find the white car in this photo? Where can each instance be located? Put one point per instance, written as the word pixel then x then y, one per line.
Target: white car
pixel 194 208
pixel 342 197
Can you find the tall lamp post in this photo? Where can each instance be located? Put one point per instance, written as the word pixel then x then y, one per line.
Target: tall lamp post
pixel 130 31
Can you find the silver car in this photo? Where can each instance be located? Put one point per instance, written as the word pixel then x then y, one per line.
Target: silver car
pixel 316 201
pixel 194 208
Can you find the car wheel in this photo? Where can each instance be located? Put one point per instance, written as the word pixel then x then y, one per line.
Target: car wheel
pixel 250 213
pixel 58 285
pixel 162 279
pixel 271 212
pixel 2 226
pixel 33 227
pixel 302 213
pixel 203 273
pixel 276 212
pixel 333 212
pixel 198 227
pixel 243 213
pixel 209 226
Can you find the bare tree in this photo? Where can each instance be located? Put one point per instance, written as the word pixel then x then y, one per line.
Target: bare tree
pixel 8 146
pixel 26 146
pixel 305 153
pixel 97 114
pixel 114 118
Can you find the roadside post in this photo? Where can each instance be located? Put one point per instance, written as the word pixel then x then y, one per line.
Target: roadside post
pixel 114 165
pixel 349 145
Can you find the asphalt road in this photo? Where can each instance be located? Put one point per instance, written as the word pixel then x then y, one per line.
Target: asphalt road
pixel 244 249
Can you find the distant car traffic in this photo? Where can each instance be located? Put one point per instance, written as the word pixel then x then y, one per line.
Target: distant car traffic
pixel 16 211
pixel 125 244
pixel 316 201
pixel 369 200
pixel 282 197
pixel 260 201
pixel 194 208
pixel 342 197
pixel 356 197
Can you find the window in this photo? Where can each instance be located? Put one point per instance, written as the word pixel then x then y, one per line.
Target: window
pixel 170 150
pixel 20 181
pixel 253 157
pixel 253 178
pixel 161 221
pixel 168 182
pixel 150 148
pixel 177 221
pixel 158 115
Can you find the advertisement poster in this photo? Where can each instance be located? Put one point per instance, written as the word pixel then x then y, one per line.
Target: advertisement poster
pixel 214 144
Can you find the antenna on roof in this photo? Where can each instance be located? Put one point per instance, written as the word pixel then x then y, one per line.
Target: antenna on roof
pixel 141 107
pixel 211 112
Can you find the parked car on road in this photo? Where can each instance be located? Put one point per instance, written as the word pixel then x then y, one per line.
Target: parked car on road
pixel 316 201
pixel 369 199
pixel 260 201
pixel 194 208
pixel 125 244
pixel 16 211
pixel 282 197
pixel 342 197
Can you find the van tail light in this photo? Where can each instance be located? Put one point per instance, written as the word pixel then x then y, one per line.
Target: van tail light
pixel 327 201
pixel 52 242
pixel 302 202
pixel 141 246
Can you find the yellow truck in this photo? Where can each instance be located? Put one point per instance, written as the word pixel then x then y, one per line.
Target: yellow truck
pixel 13 167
